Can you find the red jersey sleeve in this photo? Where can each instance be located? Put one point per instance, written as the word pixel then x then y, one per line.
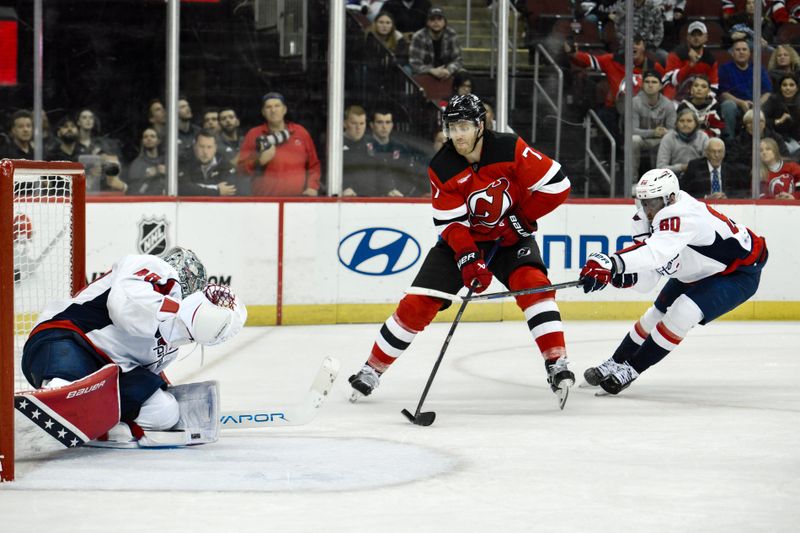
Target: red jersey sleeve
pixel 547 186
pixel 450 214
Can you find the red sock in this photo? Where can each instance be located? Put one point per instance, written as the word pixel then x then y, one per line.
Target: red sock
pixel 541 311
pixel 413 314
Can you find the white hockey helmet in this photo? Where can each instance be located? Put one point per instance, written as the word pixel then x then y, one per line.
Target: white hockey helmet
pixel 655 188
pixel 191 272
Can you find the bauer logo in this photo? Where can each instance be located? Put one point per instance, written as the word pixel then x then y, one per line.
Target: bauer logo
pixel 378 251
pixel 152 236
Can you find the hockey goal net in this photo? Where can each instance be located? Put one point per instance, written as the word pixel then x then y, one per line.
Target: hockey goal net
pixel 42 258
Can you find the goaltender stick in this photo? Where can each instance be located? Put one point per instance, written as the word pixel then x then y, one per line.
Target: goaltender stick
pixel 96 359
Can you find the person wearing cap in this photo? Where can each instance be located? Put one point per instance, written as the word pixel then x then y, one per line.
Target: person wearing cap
pixel 409 16
pixel 279 155
pixel 435 49
pixel 689 60
pixel 653 116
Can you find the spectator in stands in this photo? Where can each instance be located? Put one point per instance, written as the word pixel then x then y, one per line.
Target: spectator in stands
pixel 782 111
pixel 740 149
pixel 187 130
pixel 392 163
pixel 409 15
pixel 20 133
pixel 784 60
pixel 705 106
pixel 462 84
pixel 740 25
pixel 714 178
pixel 89 135
pixel 653 116
pixel 613 66
pixel 648 21
pixel 157 117
pixel 439 138
pixel 689 60
pixel 679 146
pixel 383 28
pixel 68 148
pixel 148 172
pixel 435 49
pixel 204 174
pixel 780 179
pixel 230 137
pixel 673 11
pixel 736 86
pixel 211 120
pixel 358 178
pixel 279 155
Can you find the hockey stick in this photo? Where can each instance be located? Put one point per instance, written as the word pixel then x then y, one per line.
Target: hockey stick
pixel 426 419
pixel 289 415
pixel 521 292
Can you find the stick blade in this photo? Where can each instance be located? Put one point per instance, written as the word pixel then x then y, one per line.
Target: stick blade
pixel 425 419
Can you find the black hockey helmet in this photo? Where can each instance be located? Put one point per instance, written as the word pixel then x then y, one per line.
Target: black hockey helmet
pixel 463 107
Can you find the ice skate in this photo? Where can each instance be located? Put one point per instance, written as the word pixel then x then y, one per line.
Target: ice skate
pixel 363 383
pixel 621 375
pixel 594 375
pixel 560 379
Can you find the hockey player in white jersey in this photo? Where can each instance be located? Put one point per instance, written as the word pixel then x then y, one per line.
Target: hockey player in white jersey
pixel 131 322
pixel 714 265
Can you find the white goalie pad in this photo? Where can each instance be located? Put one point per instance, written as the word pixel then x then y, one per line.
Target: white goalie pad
pixel 198 423
pixel 199 404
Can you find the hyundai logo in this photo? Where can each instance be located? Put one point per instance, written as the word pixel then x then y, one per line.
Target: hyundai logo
pixel 378 251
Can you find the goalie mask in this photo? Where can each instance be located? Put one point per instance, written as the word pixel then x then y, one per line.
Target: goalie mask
pixel 191 272
pixel 655 190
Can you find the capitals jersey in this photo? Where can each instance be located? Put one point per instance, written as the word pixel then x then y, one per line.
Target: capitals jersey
pixel 470 201
pixel 129 316
pixel 689 240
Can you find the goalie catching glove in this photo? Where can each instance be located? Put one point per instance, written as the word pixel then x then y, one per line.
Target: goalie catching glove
pixel 212 315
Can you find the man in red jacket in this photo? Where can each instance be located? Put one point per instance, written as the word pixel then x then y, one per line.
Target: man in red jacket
pixel 689 60
pixel 279 155
pixel 486 187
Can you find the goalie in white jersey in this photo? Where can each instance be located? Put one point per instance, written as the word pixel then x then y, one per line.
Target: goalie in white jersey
pixel 714 265
pixel 128 325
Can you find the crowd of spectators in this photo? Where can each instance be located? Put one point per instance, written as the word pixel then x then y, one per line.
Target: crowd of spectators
pixel 278 157
pixel 693 104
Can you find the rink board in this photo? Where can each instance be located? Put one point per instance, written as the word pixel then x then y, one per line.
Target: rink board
pixel 325 261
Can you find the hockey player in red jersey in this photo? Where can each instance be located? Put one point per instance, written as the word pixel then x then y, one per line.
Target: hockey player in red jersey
pixel 485 186
pixel 713 263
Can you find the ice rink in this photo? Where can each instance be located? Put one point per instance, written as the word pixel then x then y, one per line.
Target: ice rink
pixel 707 441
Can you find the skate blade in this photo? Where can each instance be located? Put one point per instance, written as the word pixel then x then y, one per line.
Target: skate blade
pixel 355 396
pixel 602 393
pixel 586 385
pixel 562 394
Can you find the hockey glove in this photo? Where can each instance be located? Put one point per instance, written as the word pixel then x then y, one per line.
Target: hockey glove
pixel 597 272
pixel 516 227
pixel 624 281
pixel 474 272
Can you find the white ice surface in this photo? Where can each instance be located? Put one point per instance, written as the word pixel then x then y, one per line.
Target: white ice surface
pixel 707 440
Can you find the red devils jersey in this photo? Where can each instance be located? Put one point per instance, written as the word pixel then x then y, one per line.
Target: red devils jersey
pixel 471 201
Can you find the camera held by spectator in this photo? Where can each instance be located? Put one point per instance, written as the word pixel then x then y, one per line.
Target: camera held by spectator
pixel 265 142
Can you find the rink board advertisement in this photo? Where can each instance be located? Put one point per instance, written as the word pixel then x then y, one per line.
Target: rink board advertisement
pixel 328 261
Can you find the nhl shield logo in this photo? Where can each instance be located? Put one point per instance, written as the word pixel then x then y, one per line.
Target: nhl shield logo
pixel 152 236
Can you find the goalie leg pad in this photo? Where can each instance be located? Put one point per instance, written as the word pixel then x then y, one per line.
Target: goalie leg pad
pixel 77 412
pixel 199 411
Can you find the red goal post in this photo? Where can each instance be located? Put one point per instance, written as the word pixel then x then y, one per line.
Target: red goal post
pixel 42 258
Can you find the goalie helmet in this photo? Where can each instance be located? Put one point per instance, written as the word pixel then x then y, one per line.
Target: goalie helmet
pixel 191 272
pixel 654 189
pixel 463 107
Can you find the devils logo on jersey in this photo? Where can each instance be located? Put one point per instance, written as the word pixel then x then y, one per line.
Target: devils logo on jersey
pixel 487 206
